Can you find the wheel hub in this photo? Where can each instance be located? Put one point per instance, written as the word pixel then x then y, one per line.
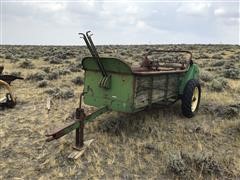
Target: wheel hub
pixel 195 99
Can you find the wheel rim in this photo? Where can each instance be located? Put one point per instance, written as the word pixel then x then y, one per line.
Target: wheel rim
pixel 195 98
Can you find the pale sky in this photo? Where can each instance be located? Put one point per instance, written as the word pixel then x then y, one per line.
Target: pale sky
pixel 120 22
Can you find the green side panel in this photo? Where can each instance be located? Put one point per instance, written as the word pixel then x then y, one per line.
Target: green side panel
pixel 192 73
pixel 118 98
pixel 110 64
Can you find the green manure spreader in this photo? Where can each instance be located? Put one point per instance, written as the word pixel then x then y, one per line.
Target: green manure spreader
pixel 111 84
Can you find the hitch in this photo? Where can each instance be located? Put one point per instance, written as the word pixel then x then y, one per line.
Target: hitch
pixel 80 120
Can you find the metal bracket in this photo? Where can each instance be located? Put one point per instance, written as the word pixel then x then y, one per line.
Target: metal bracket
pixel 105 82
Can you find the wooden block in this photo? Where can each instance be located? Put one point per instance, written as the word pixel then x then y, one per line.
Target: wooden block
pixel 78 153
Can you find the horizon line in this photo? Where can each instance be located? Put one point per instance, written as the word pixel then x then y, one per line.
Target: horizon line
pixel 122 44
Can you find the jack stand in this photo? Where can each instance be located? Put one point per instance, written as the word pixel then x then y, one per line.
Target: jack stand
pixel 80 116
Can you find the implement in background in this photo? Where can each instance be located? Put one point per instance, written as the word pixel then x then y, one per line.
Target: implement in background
pixel 8 100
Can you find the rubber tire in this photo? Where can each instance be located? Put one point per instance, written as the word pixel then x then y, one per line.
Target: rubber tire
pixel 187 98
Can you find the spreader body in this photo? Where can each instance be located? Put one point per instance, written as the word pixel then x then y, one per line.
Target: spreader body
pixel 132 89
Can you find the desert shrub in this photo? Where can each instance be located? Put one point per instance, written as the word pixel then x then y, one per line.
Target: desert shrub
pixel 67 93
pixel 55 60
pixel 17 73
pixel 8 56
pixel 38 76
pixel 218 84
pixel 42 83
pixel 206 76
pixel 217 56
pixel 230 64
pixel 27 64
pixel 22 55
pixel 75 67
pixel 60 54
pixel 211 69
pixel 35 56
pixel 218 63
pixel 64 72
pixel 124 123
pixel 223 81
pixel 236 56
pixel 228 111
pixel 46 69
pixel 223 111
pixel 63 92
pixel 232 73
pixel 78 80
pixel 207 163
pixel 47 58
pixel 177 166
pixel 204 56
pixel 53 75
pixel 123 53
pixel 185 165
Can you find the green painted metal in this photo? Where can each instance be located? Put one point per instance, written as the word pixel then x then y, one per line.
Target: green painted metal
pixel 110 64
pixel 95 114
pixel 119 97
pixel 192 73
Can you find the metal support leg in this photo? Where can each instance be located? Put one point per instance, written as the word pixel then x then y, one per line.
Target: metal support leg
pixel 80 116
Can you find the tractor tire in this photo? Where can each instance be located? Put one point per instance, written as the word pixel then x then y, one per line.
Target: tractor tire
pixel 191 98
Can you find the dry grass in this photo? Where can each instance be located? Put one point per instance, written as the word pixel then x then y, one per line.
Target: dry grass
pixel 154 144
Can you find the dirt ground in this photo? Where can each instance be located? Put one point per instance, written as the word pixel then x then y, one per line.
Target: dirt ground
pixel 158 143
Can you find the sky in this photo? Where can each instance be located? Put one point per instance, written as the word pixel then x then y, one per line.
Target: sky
pixel 54 22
